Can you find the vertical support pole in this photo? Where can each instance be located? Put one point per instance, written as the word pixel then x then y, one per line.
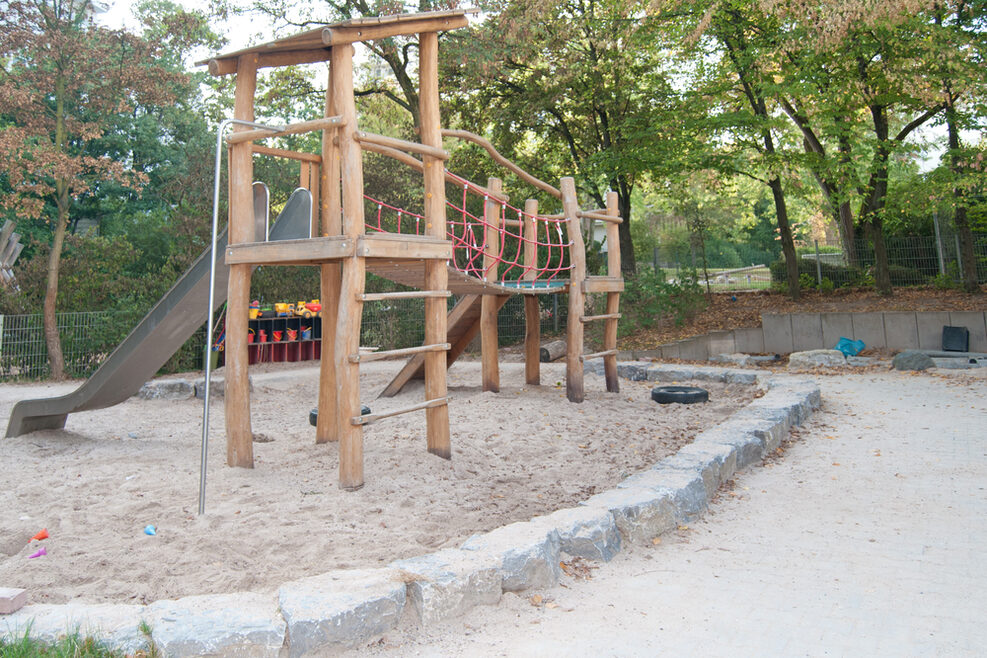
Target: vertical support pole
pixel 239 436
pixel 959 256
pixel 436 274
pixel 330 279
pixel 613 298
pixel 489 341
pixel 574 325
pixel 532 312
pixel 818 265
pixel 350 311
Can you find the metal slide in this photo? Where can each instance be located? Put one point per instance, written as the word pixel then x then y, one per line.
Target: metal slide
pixel 158 336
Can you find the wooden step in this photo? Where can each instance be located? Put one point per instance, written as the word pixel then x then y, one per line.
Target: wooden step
pixel 394 354
pixel 372 418
pixel 594 318
pixel 595 355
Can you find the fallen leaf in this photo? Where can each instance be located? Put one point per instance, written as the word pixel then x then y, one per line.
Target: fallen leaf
pixel 536 599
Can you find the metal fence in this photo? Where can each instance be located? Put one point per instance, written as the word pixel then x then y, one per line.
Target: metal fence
pixel 88 338
pixel 913 261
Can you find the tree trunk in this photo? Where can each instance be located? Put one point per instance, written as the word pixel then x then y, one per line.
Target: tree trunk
pixel 787 241
pixel 53 341
pixel 874 229
pixel 627 264
pixel 969 259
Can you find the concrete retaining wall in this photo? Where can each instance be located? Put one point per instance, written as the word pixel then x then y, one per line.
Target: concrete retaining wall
pixel 784 333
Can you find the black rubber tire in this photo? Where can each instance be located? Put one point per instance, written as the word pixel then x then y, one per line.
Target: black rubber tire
pixel 679 394
pixel 313 416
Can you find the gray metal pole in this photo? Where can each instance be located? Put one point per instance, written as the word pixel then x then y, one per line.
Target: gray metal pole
pixel 212 297
pixel 959 257
pixel 935 225
pixel 818 265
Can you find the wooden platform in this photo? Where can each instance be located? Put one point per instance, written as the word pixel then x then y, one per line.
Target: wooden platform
pixel 413 274
pixel 315 251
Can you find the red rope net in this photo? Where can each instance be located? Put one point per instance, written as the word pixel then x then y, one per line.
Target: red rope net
pixel 470 235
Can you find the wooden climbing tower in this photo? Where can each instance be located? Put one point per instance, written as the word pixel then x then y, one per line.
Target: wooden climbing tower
pixel 449 251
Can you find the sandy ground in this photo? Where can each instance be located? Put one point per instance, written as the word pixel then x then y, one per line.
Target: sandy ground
pixel 865 538
pixel 96 484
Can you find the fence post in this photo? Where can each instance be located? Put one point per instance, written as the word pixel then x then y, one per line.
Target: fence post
pixel 555 312
pixel 818 265
pixel 935 225
pixel 959 257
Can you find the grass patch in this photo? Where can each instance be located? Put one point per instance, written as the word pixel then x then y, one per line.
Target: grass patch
pixel 73 645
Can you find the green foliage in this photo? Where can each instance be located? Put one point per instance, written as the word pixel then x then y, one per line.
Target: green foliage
pixel 840 275
pixel 650 300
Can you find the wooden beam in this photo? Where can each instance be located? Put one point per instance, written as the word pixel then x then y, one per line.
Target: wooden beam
pixel 409 294
pixel 402 144
pixel 489 340
pixel 436 274
pixel 602 216
pixel 334 36
pixel 220 66
pixel 291 129
pixel 594 355
pixel 350 312
pixel 574 328
pixel 396 354
pixel 284 153
pixel 602 284
pixel 239 436
pixel 502 161
pixel 303 251
pixel 532 307
pixel 330 278
pixel 403 246
pixel 594 318
pixel 427 404
pixel 613 298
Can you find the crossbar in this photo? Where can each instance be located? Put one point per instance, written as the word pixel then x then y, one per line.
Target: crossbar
pixel 392 354
pixel 595 355
pixel 594 318
pixel 599 215
pixel 371 418
pixel 410 294
pixel 291 129
pixel 402 144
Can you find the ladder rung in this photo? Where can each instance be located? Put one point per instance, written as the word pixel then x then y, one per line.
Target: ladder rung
pixel 370 418
pixel 608 316
pixel 411 294
pixel 391 354
pixel 594 355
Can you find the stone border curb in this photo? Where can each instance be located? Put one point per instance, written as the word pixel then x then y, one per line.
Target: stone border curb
pixel 348 608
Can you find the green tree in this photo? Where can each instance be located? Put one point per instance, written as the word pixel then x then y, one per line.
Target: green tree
pixel 62 76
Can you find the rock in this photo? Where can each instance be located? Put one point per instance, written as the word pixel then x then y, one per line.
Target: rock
pixel 116 625
pixel 640 514
pixel 340 609
pixel 685 487
pixel 526 553
pixel 816 358
pixel 748 448
pixel 448 583
pixel 736 359
pixel 166 389
pixel 585 532
pixel 716 463
pixel 12 599
pixel 861 361
pixel 912 360
pixel 217 387
pixel 243 624
pixel 633 371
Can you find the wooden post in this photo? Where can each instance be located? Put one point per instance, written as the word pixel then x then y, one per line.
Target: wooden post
pixel 239 437
pixel 330 279
pixel 488 311
pixel 613 298
pixel 350 311
pixel 532 312
pixel 436 275
pixel 574 327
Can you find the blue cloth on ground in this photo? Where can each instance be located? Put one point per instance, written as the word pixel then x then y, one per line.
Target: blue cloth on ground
pixel 849 347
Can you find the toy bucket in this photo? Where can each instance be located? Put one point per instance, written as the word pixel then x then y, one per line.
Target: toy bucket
pixel 250 335
pixel 262 336
pixel 254 312
pixel 306 333
pixel 276 336
pixel 292 334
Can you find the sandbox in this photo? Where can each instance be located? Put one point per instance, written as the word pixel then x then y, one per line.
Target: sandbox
pixel 516 454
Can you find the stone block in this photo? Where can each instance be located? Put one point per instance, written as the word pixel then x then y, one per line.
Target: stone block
pixel 749 449
pixel 912 360
pixel 720 460
pixel 448 583
pixel 735 359
pixel 749 340
pixel 526 553
pixel 901 330
pixel 930 326
pixel 640 514
pixel 777 328
pixel 975 322
pixel 694 349
pixel 116 625
pixel 243 624
pixel 340 609
pixel 635 371
pixel 836 326
pixel 696 462
pixel 721 342
pixel 167 389
pixel 685 487
pixel 12 599
pixel 769 431
pixel 869 327
pixel 807 332
pixel 670 351
pixel 585 532
pixel 816 358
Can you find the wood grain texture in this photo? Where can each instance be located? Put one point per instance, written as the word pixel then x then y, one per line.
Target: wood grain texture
pixel 574 328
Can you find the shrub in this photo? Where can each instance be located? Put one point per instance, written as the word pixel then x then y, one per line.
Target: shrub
pixel 837 274
pixel 649 299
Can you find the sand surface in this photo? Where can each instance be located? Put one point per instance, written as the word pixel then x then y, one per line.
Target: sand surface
pixel 516 454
